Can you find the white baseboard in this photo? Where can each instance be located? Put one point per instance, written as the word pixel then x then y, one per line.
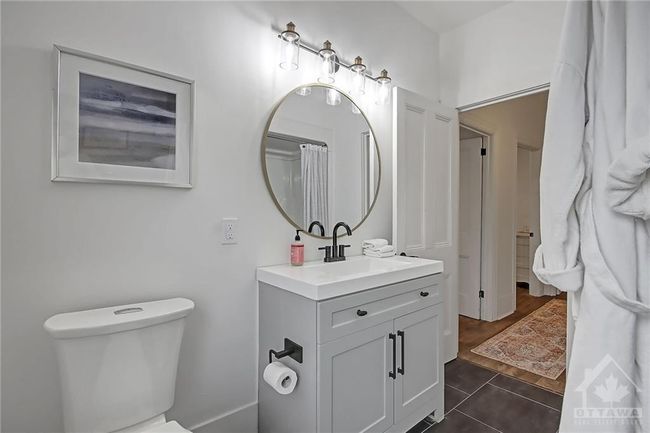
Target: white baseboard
pixel 240 420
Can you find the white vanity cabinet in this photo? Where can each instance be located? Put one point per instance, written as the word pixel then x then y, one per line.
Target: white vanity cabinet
pixel 371 359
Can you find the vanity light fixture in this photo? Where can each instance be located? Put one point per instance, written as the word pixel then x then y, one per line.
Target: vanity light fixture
pixel 358 70
pixel 383 88
pixel 328 63
pixel 289 48
pixel 328 66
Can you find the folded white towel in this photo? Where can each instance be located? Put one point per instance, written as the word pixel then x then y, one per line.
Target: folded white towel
pixel 374 243
pixel 380 255
pixel 384 249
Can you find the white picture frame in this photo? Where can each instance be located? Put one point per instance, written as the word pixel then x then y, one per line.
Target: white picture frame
pixel 115 122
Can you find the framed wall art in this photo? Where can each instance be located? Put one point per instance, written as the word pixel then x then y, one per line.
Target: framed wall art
pixel 120 123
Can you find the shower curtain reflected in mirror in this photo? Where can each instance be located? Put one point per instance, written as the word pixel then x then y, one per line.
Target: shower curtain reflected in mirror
pixel 313 161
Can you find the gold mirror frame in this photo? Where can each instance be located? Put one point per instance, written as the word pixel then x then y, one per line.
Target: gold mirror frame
pixel 266 173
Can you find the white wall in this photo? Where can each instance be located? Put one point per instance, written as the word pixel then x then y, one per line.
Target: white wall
pixel 509 49
pixel 74 246
pixel 519 121
pixel 524 188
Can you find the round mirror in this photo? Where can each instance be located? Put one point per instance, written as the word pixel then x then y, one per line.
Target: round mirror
pixel 320 159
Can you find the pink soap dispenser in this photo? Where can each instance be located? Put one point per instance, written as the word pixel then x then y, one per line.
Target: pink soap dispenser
pixel 297 251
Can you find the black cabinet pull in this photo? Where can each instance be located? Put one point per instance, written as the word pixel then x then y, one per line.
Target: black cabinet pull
pixel 392 374
pixel 400 370
pixel 424 294
pixel 361 313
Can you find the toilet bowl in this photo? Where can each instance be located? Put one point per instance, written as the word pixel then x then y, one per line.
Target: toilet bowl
pixel 118 366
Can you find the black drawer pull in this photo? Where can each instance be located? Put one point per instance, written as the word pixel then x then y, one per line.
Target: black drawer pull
pixel 392 374
pixel 361 313
pixel 400 370
pixel 424 294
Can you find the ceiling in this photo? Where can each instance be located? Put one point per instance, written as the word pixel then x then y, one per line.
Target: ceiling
pixel 524 115
pixel 441 16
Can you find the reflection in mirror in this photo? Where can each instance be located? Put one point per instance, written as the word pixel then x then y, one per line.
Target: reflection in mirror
pixel 321 159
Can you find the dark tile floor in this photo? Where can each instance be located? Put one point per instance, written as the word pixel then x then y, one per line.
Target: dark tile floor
pixel 478 400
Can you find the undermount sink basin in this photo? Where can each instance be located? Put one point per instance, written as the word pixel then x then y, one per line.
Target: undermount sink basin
pixel 319 280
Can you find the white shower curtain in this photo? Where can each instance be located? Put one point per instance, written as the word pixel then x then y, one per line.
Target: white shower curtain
pixel 595 212
pixel 313 160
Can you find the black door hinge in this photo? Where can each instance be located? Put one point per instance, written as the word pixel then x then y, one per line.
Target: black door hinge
pixel 481 294
pixel 483 151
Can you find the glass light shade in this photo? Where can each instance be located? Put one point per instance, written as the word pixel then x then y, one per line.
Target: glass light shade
pixel 303 91
pixel 327 59
pixel 332 97
pixel 383 89
pixel 358 100
pixel 358 70
pixel 289 48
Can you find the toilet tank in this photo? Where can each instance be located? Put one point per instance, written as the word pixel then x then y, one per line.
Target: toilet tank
pixel 118 364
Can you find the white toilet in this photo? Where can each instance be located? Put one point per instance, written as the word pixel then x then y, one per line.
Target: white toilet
pixel 118 366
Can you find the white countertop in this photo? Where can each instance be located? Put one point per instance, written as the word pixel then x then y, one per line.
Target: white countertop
pixel 319 280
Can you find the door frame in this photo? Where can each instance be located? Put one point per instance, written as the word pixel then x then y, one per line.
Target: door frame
pixel 489 301
pixel 502 98
pixel 489 246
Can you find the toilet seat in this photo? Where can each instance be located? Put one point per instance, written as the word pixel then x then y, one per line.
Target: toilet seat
pixel 168 427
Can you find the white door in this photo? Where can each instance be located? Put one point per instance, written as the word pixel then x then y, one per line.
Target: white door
pixel 418 336
pixel 355 389
pixel 425 194
pixel 469 228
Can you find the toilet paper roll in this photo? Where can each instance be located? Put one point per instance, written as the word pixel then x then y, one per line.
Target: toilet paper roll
pixel 280 377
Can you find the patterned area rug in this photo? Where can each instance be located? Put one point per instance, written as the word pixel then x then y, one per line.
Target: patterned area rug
pixel 536 343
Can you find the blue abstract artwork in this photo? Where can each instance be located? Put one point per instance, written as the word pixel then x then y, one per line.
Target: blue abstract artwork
pixel 126 124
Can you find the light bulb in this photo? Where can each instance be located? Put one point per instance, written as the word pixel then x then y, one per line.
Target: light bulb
pixel 383 88
pixel 327 59
pixel 289 48
pixel 358 70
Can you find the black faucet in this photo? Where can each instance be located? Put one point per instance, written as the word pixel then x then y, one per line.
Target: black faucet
pixel 336 252
pixel 317 223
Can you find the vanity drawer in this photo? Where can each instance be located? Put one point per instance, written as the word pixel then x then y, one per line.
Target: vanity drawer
pixel 347 314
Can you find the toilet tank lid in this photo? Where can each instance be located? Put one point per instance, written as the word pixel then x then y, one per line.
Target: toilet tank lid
pixel 117 319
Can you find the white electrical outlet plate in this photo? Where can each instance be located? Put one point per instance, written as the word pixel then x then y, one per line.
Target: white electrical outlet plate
pixel 229 229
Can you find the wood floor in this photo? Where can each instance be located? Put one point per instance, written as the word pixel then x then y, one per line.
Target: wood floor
pixel 473 332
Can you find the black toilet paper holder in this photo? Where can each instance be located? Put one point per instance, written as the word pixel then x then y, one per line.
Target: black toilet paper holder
pixel 294 350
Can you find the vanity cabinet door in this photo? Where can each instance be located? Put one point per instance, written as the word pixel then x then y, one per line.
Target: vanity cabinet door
pixel 355 392
pixel 419 364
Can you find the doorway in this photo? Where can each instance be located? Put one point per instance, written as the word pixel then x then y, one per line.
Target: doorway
pixel 499 160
